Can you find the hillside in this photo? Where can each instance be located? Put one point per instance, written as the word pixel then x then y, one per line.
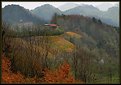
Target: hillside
pixel 104 6
pixel 50 76
pixel 37 47
pixel 45 45
pixel 67 6
pixel 72 34
pixel 43 14
pixel 61 44
pixel 20 15
pixel 106 16
pixel 99 43
pixel 113 17
pixel 56 43
pixel 86 10
pixel 46 11
pixel 95 33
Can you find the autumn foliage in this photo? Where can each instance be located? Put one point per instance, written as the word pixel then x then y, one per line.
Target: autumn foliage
pixel 9 77
pixel 60 75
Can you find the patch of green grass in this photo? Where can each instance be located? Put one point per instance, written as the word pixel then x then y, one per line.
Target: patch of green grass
pixel 106 80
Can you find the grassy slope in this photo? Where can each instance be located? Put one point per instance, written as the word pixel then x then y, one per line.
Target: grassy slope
pixel 22 45
pixel 28 55
pixel 68 35
pixel 72 34
pixel 57 43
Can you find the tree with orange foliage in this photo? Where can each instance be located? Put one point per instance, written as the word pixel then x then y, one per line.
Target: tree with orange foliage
pixel 60 75
pixel 8 77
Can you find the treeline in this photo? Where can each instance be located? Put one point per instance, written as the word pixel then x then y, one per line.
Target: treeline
pixel 31 30
pixel 37 30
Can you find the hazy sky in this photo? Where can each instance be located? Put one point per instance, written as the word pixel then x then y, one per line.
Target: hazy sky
pixel 32 5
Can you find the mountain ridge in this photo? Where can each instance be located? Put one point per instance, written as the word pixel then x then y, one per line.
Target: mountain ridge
pixel 21 15
pixel 47 11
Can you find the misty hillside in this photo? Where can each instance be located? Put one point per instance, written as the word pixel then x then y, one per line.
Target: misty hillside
pixel 17 14
pixel 46 11
pixel 67 6
pixel 113 14
pixel 104 6
pixel 96 34
pixel 107 17
pixel 87 10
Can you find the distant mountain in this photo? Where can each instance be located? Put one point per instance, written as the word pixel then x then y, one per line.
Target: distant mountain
pixel 46 11
pixel 67 6
pixel 87 10
pixel 104 6
pixel 111 16
pixel 117 5
pixel 17 14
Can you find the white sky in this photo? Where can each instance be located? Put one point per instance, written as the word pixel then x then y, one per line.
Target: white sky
pixel 32 5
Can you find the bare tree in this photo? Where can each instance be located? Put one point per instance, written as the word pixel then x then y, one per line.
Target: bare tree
pixel 82 63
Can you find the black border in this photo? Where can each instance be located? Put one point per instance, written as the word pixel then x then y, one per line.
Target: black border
pixel 62 1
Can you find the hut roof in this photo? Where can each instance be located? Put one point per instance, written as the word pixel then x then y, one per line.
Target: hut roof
pixel 51 25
